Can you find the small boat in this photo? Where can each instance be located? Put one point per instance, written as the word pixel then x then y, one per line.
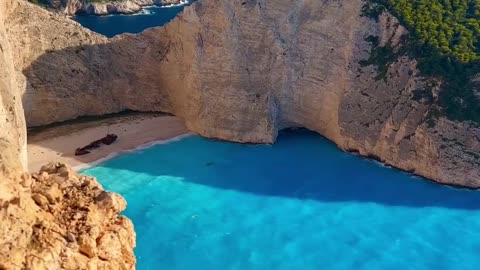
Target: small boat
pixel 107 140
pixel 81 152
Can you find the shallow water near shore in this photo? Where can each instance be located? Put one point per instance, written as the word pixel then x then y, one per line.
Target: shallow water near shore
pixel 116 24
pixel 299 204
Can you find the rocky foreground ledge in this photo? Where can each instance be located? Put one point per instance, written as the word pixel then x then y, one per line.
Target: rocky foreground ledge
pixel 58 219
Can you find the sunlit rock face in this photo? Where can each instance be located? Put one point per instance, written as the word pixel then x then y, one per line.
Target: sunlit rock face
pixel 242 70
pixel 57 219
pixel 54 219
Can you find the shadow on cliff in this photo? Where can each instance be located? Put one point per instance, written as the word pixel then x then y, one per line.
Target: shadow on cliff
pixel 97 79
pixel 302 165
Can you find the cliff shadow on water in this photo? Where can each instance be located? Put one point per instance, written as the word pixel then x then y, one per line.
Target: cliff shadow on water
pixel 113 77
pixel 233 92
pixel 302 165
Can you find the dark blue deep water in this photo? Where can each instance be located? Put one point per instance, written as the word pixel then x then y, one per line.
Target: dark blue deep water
pixel 300 204
pixel 112 25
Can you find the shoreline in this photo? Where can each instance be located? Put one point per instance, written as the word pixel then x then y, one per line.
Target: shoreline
pixel 86 166
pixel 136 132
pixel 140 11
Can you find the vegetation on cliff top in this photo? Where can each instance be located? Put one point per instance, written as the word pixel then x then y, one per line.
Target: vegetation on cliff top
pixel 445 40
pixel 451 27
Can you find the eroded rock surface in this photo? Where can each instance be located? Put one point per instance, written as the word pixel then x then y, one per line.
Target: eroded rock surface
pixel 54 219
pixel 57 219
pixel 13 153
pixel 243 70
pixel 234 70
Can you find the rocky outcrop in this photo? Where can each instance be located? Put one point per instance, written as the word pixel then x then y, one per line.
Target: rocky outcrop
pixel 12 121
pixel 54 219
pixel 72 7
pixel 57 219
pixel 242 71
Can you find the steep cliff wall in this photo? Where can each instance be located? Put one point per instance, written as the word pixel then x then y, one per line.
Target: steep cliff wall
pixel 12 121
pixel 34 32
pixel 242 70
pixel 54 219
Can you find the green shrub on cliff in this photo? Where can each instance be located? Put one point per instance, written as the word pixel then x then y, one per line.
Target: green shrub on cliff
pixel 445 40
pixel 450 27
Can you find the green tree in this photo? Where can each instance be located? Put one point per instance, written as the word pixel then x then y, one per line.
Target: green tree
pixel 445 40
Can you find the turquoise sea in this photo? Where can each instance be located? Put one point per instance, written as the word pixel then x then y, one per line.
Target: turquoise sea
pixel 113 25
pixel 299 204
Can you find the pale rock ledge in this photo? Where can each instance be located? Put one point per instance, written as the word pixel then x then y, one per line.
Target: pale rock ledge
pixel 58 219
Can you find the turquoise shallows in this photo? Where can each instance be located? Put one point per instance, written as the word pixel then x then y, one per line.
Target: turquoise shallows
pixel 299 204
pixel 113 25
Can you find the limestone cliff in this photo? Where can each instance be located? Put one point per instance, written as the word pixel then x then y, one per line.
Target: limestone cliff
pixel 57 219
pixel 243 70
pixel 54 219
pixel 33 32
pixel 12 134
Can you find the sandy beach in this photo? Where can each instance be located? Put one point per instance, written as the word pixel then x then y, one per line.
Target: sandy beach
pixel 58 144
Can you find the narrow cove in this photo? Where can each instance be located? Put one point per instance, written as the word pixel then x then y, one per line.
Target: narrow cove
pixel 299 204
pixel 145 109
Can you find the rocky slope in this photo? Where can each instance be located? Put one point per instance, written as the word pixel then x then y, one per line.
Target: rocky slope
pixel 88 7
pixel 243 70
pixel 54 219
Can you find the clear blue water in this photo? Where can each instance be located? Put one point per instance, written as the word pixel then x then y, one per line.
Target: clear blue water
pixel 299 204
pixel 113 25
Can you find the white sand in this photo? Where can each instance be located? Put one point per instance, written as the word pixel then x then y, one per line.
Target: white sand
pixel 58 144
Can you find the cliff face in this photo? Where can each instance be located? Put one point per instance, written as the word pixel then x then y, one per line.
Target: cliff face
pixel 12 121
pixel 34 32
pixel 54 219
pixel 241 71
pixel 57 219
